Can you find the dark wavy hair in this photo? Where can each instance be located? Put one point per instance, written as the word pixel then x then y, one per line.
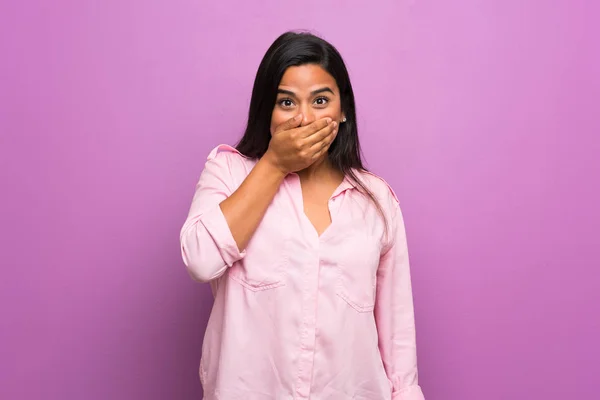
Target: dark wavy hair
pixel 295 49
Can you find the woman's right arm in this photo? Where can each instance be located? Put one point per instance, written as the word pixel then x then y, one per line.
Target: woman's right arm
pixel 223 218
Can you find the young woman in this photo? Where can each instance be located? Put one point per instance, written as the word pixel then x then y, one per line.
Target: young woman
pixel 304 249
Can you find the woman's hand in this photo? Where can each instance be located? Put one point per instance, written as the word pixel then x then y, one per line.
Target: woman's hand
pixel 294 148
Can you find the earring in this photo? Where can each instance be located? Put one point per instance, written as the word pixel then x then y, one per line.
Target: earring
pixel 344 120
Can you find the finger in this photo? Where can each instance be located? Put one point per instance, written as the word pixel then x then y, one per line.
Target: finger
pixel 326 142
pixel 322 134
pixel 315 127
pixel 289 124
pixel 324 148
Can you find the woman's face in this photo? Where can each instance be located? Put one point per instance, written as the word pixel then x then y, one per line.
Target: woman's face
pixel 308 90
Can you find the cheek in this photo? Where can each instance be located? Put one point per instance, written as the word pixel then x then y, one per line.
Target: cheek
pixel 334 115
pixel 277 118
pixel 334 111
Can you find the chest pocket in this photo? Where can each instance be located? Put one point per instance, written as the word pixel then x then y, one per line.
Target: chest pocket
pixel 357 270
pixel 266 259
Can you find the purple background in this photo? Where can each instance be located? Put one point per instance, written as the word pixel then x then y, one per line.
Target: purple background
pixel 483 115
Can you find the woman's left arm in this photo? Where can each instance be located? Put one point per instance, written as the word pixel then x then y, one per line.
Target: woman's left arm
pixel 394 315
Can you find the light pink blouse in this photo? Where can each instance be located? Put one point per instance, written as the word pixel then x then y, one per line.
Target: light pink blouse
pixel 298 316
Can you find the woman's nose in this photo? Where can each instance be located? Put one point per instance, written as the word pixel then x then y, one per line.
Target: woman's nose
pixel 309 116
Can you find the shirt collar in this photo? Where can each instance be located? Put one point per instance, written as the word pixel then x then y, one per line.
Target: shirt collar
pixel 346 184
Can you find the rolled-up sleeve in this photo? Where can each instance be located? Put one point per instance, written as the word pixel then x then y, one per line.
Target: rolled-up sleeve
pixel 207 245
pixel 395 316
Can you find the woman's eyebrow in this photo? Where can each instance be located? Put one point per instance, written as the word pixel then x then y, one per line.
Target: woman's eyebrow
pixel 325 89
pixel 288 92
pixel 313 93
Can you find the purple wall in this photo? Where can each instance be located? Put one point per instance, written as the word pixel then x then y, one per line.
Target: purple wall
pixel 483 115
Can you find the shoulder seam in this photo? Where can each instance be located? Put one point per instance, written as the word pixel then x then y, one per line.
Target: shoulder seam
pixel 223 148
pixel 391 190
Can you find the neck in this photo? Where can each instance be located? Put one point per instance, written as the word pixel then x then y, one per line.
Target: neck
pixel 321 169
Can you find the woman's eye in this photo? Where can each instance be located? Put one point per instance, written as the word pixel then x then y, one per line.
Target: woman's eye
pixel 321 101
pixel 286 103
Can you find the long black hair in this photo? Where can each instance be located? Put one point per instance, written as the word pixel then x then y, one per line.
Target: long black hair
pixel 295 49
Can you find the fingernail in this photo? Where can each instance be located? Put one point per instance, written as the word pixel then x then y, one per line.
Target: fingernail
pixel 328 120
pixel 335 124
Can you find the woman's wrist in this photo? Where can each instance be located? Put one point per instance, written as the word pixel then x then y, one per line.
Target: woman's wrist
pixel 270 161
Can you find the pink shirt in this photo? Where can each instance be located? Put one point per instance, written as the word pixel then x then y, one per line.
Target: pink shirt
pixel 298 316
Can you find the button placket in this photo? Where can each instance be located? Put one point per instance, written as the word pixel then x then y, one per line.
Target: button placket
pixel 308 329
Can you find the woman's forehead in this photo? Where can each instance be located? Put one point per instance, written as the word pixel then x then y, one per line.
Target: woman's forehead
pixel 306 78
